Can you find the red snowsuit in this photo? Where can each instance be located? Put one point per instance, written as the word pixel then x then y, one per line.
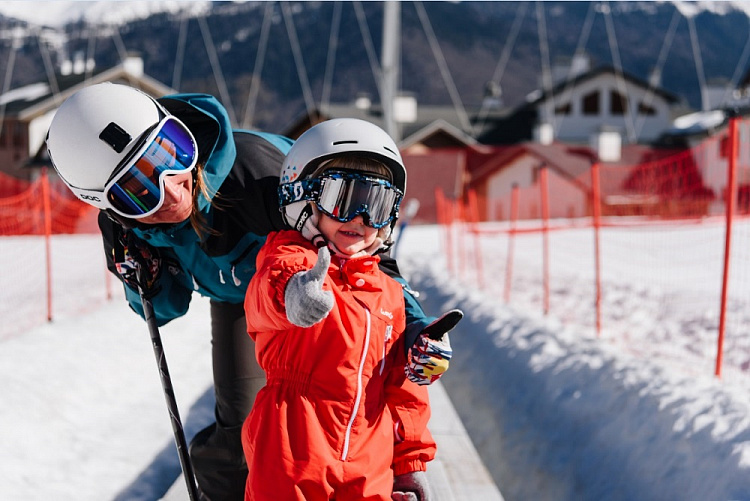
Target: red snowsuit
pixel 323 426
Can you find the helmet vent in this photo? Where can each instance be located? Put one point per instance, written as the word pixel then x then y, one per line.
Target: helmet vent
pixel 350 141
pixel 115 137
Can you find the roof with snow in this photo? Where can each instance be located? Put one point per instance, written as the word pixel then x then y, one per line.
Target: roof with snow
pixel 571 162
pixel 25 103
pixel 539 95
pixel 430 120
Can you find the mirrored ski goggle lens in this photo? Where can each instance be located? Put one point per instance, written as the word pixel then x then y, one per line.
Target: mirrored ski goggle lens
pixel 139 190
pixel 344 198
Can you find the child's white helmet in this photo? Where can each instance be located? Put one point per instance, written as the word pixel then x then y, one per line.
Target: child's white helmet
pixel 329 139
pixel 342 136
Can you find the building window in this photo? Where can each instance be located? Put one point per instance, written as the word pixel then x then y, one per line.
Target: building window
pixel 617 103
pixel 563 109
pixel 644 109
pixel 591 103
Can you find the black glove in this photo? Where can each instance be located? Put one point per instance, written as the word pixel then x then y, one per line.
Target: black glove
pixel 437 329
pixel 138 264
pixel 411 487
pixel 429 356
pixel 306 301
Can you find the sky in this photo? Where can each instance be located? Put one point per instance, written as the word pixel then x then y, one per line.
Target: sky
pixel 556 412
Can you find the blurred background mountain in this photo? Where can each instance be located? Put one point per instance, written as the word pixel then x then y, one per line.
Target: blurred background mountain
pixel 697 42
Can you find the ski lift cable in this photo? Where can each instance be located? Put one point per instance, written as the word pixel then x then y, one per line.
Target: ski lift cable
pixel 48 68
pixel 299 62
pixel 544 57
pixel 214 60
pixel 579 51
pixel 738 70
pixel 180 56
pixel 369 48
pixel 660 61
pixel 260 57
pixel 503 61
pixel 119 44
pixel 510 42
pixel 619 78
pixel 698 62
pixel 331 57
pixel 583 38
pixel 444 71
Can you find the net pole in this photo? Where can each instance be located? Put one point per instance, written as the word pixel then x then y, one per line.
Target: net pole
pixel 730 196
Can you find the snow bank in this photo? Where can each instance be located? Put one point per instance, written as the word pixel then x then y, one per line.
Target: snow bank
pixel 558 416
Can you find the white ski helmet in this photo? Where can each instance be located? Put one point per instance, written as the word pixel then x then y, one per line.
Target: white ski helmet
pixel 80 151
pixel 329 139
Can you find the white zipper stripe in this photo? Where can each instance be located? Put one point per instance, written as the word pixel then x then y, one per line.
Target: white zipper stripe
pixel 359 388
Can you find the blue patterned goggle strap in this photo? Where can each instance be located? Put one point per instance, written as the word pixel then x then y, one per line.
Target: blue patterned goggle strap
pixel 303 189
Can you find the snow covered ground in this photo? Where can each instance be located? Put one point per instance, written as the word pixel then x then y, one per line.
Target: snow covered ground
pixel 556 413
pixel 559 414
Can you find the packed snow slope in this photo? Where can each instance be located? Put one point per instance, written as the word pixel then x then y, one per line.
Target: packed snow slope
pixel 557 415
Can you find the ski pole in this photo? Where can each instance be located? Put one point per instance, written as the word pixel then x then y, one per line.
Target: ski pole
pixel 166 383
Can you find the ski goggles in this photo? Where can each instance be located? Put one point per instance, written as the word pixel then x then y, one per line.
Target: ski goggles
pixel 136 189
pixel 345 195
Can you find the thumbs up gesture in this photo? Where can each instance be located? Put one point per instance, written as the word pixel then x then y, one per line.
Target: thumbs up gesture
pixel 306 301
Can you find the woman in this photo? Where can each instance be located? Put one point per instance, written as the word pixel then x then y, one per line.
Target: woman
pixel 196 199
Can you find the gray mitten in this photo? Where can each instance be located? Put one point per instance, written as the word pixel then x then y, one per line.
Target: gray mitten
pixel 306 301
pixel 411 486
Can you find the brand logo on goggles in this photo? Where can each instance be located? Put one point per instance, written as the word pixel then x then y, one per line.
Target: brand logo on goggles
pixel 91 197
pixel 303 217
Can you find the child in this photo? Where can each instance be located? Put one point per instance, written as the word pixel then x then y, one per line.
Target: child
pixel 329 328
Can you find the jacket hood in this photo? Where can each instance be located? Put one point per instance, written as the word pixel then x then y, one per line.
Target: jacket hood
pixel 209 122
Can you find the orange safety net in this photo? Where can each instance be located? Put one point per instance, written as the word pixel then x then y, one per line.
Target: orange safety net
pixel 668 188
pixel 23 212
pixel 660 233
pixel 51 246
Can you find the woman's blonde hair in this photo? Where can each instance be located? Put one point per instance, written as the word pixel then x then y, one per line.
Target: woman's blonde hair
pixel 197 220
